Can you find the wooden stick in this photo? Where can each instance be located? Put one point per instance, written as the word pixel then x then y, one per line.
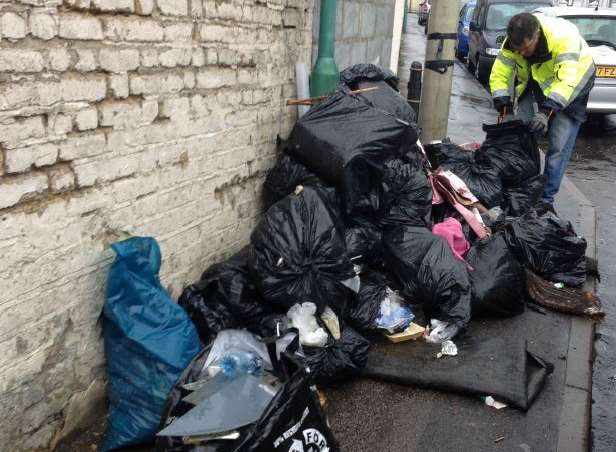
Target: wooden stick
pixel 314 100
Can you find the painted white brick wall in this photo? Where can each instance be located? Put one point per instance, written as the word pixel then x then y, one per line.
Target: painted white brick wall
pixel 118 117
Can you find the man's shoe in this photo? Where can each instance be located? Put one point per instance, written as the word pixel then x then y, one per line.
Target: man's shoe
pixel 544 206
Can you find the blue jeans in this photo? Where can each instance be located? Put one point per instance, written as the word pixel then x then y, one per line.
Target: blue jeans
pixel 562 134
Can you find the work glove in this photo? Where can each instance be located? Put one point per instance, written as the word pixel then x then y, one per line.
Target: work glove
pixel 503 105
pixel 539 122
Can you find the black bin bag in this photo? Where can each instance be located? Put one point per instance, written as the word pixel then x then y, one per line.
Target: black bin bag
pixel 481 179
pixel 345 141
pixel 293 417
pixel 363 311
pixel 363 241
pixel 548 246
pixel 407 194
pixel 497 279
pixel 339 360
pixel 225 298
pixel 512 149
pixel 282 179
pixel 366 72
pixel 519 200
pixel 385 96
pixel 298 252
pixel 428 272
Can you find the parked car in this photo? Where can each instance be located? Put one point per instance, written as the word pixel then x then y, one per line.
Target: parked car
pixel 466 13
pixel 424 10
pixel 487 31
pixel 598 27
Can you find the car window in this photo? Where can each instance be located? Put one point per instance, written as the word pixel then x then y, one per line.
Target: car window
pixel 499 14
pixel 596 30
pixel 469 14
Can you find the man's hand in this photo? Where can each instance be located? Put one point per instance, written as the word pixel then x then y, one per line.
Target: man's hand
pixel 539 123
pixel 503 105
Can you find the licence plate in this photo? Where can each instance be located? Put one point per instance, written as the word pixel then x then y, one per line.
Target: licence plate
pixel 606 71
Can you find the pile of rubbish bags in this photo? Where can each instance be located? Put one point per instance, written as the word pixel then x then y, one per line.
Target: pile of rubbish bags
pixel 364 229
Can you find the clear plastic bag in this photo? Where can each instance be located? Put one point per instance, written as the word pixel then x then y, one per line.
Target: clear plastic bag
pixel 394 316
pixel 237 341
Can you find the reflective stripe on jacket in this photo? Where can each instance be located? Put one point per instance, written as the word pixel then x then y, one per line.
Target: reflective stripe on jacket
pixel 561 78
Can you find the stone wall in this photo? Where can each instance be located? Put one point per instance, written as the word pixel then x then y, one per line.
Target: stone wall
pixel 364 30
pixel 117 118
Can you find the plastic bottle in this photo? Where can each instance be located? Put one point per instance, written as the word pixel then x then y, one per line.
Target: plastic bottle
pixel 238 363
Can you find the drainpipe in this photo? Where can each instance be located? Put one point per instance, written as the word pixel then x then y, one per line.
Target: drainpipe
pixel 325 75
pixel 406 13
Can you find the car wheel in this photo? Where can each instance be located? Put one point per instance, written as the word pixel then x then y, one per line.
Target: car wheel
pixel 470 65
pixel 481 72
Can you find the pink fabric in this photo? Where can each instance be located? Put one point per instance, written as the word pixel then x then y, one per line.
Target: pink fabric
pixel 444 194
pixel 451 230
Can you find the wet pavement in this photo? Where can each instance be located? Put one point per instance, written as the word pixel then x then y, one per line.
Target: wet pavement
pixel 593 170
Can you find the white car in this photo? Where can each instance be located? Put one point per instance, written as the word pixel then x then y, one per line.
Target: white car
pixel 598 27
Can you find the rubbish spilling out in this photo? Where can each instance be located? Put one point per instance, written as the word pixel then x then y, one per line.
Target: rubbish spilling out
pixel 370 242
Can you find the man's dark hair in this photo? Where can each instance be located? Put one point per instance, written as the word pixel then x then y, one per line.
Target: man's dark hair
pixel 522 26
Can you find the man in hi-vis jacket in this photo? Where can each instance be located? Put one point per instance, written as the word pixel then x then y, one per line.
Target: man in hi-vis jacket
pixel 550 64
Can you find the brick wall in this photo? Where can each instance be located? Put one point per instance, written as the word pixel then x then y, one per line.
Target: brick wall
pixel 118 117
pixel 364 30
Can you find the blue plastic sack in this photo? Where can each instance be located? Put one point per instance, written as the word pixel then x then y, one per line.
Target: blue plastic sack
pixel 149 341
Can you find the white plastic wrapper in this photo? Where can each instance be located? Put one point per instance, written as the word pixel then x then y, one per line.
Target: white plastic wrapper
pixel 441 331
pixel 303 317
pixel 448 348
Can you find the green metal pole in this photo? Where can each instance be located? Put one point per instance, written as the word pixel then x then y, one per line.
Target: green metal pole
pixel 406 14
pixel 325 75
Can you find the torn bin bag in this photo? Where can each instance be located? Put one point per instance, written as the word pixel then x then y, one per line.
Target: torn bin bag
pixel 519 200
pixel 426 268
pixel 292 419
pixel 282 179
pixel 298 253
pixel 345 141
pixel 548 246
pixel 511 148
pixel 224 298
pixel 149 340
pixel 407 194
pixel 497 279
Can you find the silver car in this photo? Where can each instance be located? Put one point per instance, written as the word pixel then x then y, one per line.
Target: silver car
pixel 598 27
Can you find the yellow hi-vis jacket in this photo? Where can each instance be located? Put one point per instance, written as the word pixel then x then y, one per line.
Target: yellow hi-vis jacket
pixel 561 78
